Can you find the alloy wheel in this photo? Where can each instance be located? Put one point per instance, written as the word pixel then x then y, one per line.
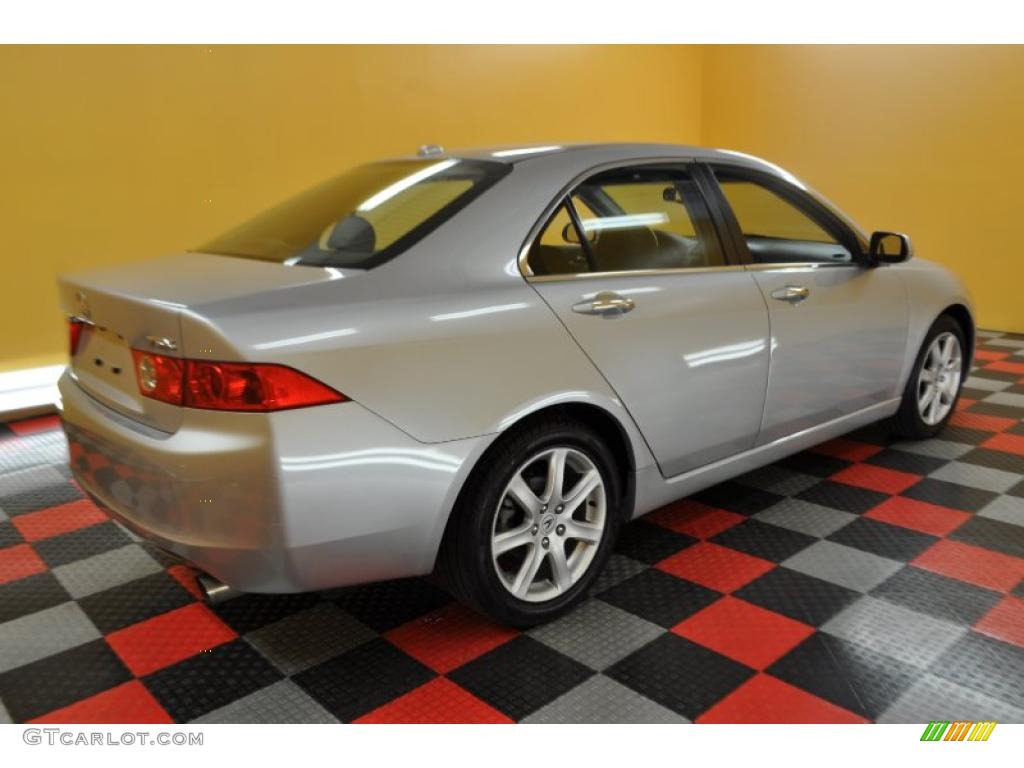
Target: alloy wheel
pixel 939 379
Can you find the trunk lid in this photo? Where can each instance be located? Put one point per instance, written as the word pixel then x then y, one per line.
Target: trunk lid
pixel 140 306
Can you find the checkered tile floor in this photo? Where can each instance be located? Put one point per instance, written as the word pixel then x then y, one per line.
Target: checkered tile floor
pixel 862 580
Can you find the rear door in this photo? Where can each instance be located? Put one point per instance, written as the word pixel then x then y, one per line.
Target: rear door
pixel 631 263
pixel 838 325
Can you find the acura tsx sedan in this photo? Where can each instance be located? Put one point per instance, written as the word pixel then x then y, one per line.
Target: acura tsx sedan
pixel 484 363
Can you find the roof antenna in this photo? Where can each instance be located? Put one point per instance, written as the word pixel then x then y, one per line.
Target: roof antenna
pixel 429 150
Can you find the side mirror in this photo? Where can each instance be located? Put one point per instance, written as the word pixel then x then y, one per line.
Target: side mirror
pixel 570 235
pixel 890 247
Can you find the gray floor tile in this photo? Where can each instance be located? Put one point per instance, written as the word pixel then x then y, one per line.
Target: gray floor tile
pixel 616 570
pixel 939 449
pixel 309 637
pixel 27 480
pixel 933 698
pixel 1008 509
pixel 976 477
pixel 1005 342
pixel 894 631
pixel 989 385
pixel 805 517
pixel 1006 398
pixel 282 702
pixel 778 480
pixel 597 634
pixel 43 634
pixel 601 700
pixel 106 570
pixel 43 449
pixel 843 565
pixel 5 716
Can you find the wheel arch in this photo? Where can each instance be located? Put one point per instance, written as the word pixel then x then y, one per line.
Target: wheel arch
pixel 962 315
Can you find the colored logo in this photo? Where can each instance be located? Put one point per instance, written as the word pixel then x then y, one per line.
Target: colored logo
pixel 961 730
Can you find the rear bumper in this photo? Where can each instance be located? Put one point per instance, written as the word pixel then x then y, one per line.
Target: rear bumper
pixel 291 501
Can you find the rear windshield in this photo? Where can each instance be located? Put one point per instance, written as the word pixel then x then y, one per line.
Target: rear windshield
pixel 363 217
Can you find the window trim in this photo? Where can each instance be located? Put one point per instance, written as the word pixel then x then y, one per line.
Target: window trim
pixel 804 202
pixel 687 164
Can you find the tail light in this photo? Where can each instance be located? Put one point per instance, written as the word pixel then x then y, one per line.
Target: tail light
pixel 75 327
pixel 220 386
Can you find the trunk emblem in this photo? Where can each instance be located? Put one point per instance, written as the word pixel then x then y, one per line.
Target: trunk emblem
pixel 83 306
pixel 162 342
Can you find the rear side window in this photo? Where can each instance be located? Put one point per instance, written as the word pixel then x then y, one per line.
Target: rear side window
pixel 629 219
pixel 363 217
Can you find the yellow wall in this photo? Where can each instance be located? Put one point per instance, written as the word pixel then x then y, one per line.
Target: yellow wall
pixel 926 140
pixel 113 154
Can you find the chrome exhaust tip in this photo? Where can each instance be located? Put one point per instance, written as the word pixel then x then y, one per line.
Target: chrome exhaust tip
pixel 215 592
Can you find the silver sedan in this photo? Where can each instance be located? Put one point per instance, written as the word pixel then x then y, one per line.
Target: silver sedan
pixel 485 362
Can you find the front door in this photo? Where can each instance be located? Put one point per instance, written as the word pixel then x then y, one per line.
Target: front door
pixel 838 326
pixel 632 265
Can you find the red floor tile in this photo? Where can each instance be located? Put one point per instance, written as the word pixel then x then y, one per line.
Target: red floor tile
pixel 32 426
pixel 981 421
pixel 747 633
pixel 715 566
pixel 1005 366
pixel 439 701
pixel 964 403
pixel 765 699
pixel 127 703
pixel 57 520
pixel 169 638
pixel 876 478
pixel 1004 622
pixel 974 565
pixel 187 578
pixel 694 519
pixel 919 515
pixel 1006 443
pixel 851 450
pixel 18 562
pixel 990 355
pixel 449 637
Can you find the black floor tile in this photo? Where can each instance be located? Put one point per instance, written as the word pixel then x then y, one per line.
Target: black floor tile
pixel 80 544
pixel 679 674
pixel 64 678
pixel 847 498
pixel 951 495
pixel 388 604
pixel 40 498
pixel 964 435
pixel 203 683
pixel 30 595
pixel 992 534
pixel 738 498
pixel 997 410
pixel 905 461
pixel 540 676
pixel 817 464
pixel 1001 460
pixel 936 595
pixel 846 674
pixel 1017 490
pixel 659 597
pixel 248 612
pixel 891 541
pixel 9 535
pixel 804 598
pixel 873 434
pixel 650 543
pixel 769 542
pixel 356 682
pixel 135 601
pixel 986 665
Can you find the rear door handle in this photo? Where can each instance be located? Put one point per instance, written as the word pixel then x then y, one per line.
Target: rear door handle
pixel 605 303
pixel 794 294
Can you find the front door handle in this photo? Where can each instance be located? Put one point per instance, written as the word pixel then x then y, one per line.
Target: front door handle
pixel 794 294
pixel 605 303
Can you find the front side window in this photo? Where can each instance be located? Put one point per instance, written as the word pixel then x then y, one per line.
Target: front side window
pixel 628 219
pixel 776 230
pixel 361 218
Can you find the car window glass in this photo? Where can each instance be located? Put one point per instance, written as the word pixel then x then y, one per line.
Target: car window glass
pixel 633 219
pixel 776 230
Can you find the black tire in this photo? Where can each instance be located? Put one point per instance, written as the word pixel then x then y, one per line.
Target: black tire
pixel 907 422
pixel 465 560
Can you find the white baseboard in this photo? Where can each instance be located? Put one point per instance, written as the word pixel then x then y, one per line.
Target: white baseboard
pixel 29 392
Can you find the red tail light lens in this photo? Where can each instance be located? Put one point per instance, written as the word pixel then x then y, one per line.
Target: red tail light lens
pixel 252 387
pixel 159 377
pixel 228 386
pixel 74 334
